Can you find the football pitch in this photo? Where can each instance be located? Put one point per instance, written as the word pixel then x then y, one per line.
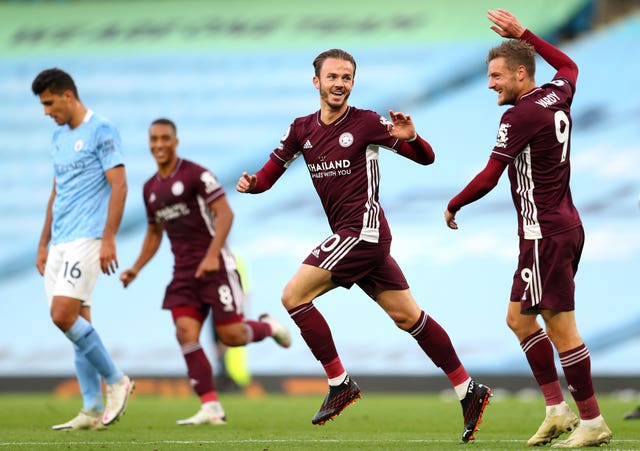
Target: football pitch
pixel 283 422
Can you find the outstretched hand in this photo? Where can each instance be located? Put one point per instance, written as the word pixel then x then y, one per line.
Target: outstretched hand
pixel 450 219
pixel 401 126
pixel 246 183
pixel 507 25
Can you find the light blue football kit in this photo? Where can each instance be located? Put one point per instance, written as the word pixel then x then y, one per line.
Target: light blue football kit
pixel 80 158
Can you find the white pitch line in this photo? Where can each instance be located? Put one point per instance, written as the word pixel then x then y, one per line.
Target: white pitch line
pixel 252 441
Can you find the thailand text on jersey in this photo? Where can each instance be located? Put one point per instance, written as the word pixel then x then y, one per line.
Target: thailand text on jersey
pixel 534 139
pixel 342 160
pixel 80 158
pixel 181 203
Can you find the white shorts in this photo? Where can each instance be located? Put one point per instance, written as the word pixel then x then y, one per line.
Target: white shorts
pixel 72 269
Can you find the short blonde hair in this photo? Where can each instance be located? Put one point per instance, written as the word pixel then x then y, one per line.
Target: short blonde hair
pixel 516 53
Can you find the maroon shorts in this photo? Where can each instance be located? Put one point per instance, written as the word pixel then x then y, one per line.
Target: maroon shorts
pixel 219 292
pixel 546 268
pixel 351 260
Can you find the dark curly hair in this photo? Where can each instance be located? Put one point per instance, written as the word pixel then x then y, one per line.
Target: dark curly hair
pixel 55 80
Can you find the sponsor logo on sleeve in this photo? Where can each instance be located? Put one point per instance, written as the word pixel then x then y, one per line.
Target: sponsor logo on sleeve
pixel 284 138
pixel 502 138
pixel 210 182
pixel 384 121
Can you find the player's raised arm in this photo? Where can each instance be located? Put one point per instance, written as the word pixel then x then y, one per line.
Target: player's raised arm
pixel 508 26
pixel 402 126
pixel 412 146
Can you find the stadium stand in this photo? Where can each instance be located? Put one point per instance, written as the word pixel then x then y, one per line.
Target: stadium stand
pixel 232 106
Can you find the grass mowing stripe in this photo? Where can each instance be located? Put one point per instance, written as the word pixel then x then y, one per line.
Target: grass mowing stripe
pixel 280 422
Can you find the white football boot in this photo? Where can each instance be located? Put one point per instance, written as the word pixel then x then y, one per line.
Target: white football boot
pixel 587 435
pixel 209 413
pixel 117 396
pixel 279 333
pixel 559 419
pixel 86 419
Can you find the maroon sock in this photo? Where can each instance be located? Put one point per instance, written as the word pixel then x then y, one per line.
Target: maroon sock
pixel 315 332
pixel 539 352
pixel 199 369
pixel 435 342
pixel 257 330
pixel 576 364
pixel 333 368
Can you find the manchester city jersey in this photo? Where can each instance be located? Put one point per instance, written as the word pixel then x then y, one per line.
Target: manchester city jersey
pixel 80 158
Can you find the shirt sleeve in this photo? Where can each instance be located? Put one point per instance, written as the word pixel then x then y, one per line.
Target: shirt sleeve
pixel 289 148
pixel 267 176
pixel 565 66
pixel 513 135
pixel 109 147
pixel 417 150
pixel 151 219
pixel 482 183
pixel 208 186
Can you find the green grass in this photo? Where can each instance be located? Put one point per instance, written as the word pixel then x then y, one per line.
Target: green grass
pixel 281 422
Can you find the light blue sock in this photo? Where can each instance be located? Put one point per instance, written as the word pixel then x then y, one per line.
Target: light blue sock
pixel 85 337
pixel 89 380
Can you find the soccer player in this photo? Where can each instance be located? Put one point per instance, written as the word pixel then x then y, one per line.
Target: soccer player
pixel 78 239
pixel 534 144
pixel 340 146
pixel 188 202
pixel 232 363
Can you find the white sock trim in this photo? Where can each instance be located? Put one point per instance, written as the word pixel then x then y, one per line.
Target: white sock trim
pixel 461 389
pixel 335 381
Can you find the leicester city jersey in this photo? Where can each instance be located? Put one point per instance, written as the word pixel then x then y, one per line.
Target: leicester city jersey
pixel 80 158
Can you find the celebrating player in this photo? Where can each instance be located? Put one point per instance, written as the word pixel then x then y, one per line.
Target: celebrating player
pixel 82 218
pixel 534 144
pixel 340 146
pixel 188 202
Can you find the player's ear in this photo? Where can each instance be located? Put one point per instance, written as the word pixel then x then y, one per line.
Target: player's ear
pixel 316 82
pixel 522 73
pixel 68 94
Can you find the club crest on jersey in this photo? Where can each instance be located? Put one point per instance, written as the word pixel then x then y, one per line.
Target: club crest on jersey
pixel 346 139
pixel 177 188
pixel 78 145
pixel 152 197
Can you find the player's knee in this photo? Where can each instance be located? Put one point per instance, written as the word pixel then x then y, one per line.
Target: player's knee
pixel 288 299
pixel 515 324
pixel 403 320
pixel 186 335
pixel 563 338
pixel 62 320
pixel 233 337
